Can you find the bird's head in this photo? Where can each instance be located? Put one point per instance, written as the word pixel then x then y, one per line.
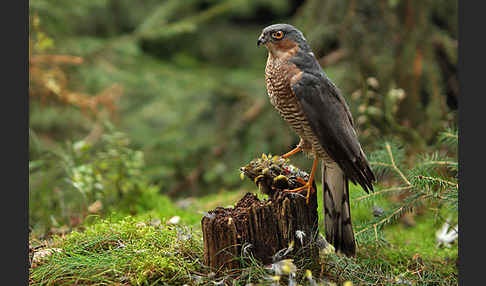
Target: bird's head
pixel 279 39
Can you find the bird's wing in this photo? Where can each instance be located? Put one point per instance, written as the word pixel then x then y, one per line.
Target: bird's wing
pixel 332 123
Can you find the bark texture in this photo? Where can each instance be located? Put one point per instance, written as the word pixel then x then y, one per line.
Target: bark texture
pixel 281 227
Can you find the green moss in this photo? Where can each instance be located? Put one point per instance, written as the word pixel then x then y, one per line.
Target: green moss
pixel 123 251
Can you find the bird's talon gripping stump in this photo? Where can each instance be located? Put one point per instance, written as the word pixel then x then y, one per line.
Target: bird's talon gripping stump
pixel 274 173
pixel 307 185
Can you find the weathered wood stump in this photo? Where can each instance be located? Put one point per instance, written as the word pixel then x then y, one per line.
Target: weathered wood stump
pixel 283 226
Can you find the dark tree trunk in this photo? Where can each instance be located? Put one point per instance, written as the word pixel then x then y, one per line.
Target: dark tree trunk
pixel 263 229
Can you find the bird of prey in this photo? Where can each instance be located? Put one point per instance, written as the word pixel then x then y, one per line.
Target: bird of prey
pixel 315 109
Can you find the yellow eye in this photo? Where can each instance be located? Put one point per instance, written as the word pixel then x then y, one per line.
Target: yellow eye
pixel 277 35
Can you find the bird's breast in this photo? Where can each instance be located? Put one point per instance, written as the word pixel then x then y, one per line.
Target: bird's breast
pixel 278 76
pixel 278 83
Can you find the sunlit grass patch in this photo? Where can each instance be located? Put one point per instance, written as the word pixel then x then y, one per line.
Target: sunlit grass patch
pixel 121 252
pixel 383 265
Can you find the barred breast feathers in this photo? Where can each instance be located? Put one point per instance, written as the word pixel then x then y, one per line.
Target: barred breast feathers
pixel 280 75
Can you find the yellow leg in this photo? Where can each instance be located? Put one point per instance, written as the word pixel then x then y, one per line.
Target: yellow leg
pixel 307 185
pixel 291 152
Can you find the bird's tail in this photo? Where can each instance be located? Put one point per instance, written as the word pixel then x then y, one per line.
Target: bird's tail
pixel 337 212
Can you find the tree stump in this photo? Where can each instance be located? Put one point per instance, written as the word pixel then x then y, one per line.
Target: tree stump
pixel 283 226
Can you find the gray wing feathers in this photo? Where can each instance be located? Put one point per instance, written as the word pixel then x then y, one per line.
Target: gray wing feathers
pixel 331 121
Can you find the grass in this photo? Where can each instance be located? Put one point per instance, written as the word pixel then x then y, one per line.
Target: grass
pixel 138 250
pixel 121 252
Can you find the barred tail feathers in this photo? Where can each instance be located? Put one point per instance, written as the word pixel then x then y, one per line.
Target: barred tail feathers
pixel 337 212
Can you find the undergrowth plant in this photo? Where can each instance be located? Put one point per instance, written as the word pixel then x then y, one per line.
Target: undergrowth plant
pixel 432 182
pixel 84 177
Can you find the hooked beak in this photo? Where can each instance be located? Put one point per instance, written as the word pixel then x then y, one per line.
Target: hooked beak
pixel 261 40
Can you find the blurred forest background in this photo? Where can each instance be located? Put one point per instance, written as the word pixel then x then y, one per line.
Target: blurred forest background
pixel 130 100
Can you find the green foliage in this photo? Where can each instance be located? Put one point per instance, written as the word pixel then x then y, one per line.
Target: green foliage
pixel 431 182
pixel 123 251
pixel 112 170
pixel 64 183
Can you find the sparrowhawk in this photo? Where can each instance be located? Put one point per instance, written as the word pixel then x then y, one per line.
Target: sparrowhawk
pixel 313 106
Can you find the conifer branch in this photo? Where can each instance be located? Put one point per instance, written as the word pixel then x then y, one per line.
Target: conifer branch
pixel 388 149
pixel 422 181
pixel 438 180
pixel 383 191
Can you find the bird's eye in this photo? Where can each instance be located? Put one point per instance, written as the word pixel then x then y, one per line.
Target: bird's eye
pixel 277 35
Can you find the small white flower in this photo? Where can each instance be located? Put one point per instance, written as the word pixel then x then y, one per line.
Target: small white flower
pixel 174 220
pixel 300 235
pixel 445 236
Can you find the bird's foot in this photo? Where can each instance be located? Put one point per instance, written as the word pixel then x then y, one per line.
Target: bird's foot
pixel 292 152
pixel 307 186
